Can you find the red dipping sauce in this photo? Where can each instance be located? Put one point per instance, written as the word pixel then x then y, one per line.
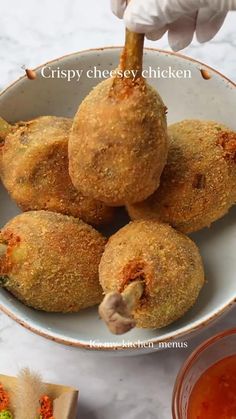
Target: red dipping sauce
pixel 214 394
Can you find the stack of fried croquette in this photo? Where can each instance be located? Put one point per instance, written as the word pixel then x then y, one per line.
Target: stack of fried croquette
pixel 51 259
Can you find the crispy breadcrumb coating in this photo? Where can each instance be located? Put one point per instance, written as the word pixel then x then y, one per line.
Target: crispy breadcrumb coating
pixel 51 261
pixel 166 261
pixel 118 142
pixel 34 169
pixel 198 184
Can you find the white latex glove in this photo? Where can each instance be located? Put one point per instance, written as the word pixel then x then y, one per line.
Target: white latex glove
pixel 181 18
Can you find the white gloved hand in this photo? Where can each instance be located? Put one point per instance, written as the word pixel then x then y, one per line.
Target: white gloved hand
pixel 181 18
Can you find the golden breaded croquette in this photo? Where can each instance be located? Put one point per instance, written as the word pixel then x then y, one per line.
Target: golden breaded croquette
pixel 118 141
pixel 151 275
pixel 50 261
pixel 34 169
pixel 198 184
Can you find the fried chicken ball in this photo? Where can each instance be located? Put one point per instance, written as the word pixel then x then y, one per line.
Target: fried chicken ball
pixel 198 184
pixel 50 261
pixel 118 141
pixel 34 169
pixel 151 275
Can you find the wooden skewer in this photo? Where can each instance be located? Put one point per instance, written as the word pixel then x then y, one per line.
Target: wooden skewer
pixel 132 54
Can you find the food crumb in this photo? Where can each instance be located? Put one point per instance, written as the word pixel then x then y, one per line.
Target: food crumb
pixel 205 74
pixel 31 74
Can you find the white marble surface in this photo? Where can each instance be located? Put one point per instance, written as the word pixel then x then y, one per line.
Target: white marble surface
pixel 31 33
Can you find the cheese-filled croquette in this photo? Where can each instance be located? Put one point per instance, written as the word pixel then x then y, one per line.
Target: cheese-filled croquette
pixel 151 275
pixel 50 261
pixel 34 170
pixel 118 141
pixel 198 184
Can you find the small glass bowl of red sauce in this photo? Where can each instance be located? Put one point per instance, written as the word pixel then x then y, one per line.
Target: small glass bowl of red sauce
pixel 205 387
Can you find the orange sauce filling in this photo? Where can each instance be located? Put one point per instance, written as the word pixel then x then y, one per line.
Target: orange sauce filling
pixel 214 394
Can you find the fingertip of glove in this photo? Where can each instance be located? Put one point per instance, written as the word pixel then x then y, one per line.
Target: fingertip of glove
pixel 176 47
pixel 118 8
pixel 205 35
pixel 178 43
pixel 201 39
pixel 155 35
pixel 208 25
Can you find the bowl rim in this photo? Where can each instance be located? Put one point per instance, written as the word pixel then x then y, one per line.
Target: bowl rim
pixel 189 362
pixel 184 331
pixel 102 347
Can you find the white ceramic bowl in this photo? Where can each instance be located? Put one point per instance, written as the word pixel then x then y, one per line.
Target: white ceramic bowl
pixel 186 98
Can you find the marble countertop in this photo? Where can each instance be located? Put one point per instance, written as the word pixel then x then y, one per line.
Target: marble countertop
pixel 129 387
pixel 136 387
